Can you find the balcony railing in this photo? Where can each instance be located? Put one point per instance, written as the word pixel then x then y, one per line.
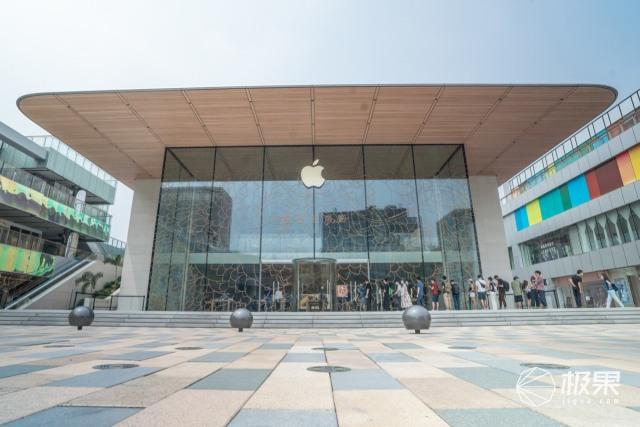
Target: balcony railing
pixel 48 141
pixel 599 131
pixel 27 192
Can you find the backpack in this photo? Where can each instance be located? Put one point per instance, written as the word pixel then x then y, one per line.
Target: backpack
pixel 506 285
pixel 455 288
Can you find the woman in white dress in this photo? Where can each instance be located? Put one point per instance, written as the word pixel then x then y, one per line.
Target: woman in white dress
pixel 405 298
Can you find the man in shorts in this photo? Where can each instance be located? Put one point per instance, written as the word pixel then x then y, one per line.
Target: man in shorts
pixel 481 291
pixel 516 286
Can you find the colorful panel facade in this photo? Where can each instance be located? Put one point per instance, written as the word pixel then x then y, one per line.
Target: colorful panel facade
pixel 615 173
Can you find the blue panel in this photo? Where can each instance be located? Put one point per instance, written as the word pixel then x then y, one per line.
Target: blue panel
pixel 522 221
pixel 578 191
pixel 551 204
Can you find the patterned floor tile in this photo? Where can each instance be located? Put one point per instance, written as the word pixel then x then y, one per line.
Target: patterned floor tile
pixel 12 370
pixel 233 379
pixel 220 356
pixel 496 417
pixel 364 379
pixel 75 416
pixel 280 418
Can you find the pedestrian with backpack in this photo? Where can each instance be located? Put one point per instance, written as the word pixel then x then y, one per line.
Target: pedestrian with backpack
pixel 455 293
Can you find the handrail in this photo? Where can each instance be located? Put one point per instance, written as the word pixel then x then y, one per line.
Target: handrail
pixel 597 132
pixel 53 192
pixel 49 141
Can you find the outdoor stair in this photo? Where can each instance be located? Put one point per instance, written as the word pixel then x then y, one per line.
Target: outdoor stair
pixel 388 319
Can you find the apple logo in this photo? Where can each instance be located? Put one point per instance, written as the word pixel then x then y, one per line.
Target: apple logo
pixel 312 175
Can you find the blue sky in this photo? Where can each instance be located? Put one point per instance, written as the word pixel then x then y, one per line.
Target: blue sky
pixel 84 45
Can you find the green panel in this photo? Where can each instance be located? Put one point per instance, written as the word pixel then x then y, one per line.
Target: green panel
pixel 551 204
pixel 25 261
pixel 566 198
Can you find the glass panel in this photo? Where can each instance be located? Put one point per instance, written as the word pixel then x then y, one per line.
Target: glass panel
pixel 341 216
pixel 394 235
pixel 287 212
pixel 233 257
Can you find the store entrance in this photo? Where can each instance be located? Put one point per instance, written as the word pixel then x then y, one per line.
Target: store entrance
pixel 314 284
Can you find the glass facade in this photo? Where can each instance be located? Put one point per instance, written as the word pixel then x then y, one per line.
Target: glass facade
pixel 612 228
pixel 237 227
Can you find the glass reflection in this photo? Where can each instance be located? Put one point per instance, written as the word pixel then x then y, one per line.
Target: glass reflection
pixel 232 220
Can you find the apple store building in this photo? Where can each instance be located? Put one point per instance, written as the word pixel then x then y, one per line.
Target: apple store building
pixel 290 198
pixel 281 225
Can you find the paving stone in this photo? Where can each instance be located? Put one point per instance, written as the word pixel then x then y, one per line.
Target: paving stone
pixel 219 356
pixel 233 379
pixel 104 378
pixel 304 357
pixel 391 358
pixel 485 377
pixel 75 416
pixel 278 418
pixel 363 379
pixel 275 346
pixel 12 370
pixel 139 355
pixel 496 417
pixel 402 346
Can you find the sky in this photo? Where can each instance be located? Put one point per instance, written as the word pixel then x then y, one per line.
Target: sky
pixel 68 45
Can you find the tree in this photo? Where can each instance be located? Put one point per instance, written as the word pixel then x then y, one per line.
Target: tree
pixel 88 280
pixel 116 261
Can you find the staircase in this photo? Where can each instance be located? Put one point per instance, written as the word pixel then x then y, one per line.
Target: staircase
pixel 378 319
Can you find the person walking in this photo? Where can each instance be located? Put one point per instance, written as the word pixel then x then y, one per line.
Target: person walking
pixel 611 289
pixel 516 286
pixel 526 289
pixel 420 288
pixel 472 295
pixel 362 297
pixel 481 290
pixel 435 295
pixel 576 286
pixel 502 292
pixel 539 286
pixel 369 293
pixel 396 295
pixel 455 293
pixel 446 291
pixel 405 297
pixel 385 295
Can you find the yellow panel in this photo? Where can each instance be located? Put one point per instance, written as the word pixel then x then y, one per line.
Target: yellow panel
pixel 533 212
pixel 634 154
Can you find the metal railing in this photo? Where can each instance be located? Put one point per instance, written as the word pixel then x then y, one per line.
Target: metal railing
pixel 97 302
pixel 54 192
pixel 48 141
pixel 599 131
pixel 31 242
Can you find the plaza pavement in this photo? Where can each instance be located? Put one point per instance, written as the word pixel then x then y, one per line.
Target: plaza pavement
pixel 217 377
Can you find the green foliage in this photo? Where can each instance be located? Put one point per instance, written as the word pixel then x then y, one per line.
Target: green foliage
pixel 109 288
pixel 88 280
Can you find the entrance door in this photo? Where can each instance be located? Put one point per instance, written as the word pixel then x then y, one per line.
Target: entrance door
pixel 314 284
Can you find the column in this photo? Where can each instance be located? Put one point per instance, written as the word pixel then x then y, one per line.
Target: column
pixel 137 256
pixel 492 243
pixel 73 237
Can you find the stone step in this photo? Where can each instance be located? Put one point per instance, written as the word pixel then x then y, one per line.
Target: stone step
pixel 330 319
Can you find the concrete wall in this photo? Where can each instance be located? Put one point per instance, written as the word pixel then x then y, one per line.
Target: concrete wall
pixel 492 243
pixel 137 257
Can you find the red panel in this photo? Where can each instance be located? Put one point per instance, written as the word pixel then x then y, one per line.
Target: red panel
pixel 608 176
pixel 626 168
pixel 592 183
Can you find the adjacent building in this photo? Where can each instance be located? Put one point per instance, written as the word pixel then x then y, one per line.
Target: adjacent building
pixel 221 217
pixel 578 207
pixel 53 206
